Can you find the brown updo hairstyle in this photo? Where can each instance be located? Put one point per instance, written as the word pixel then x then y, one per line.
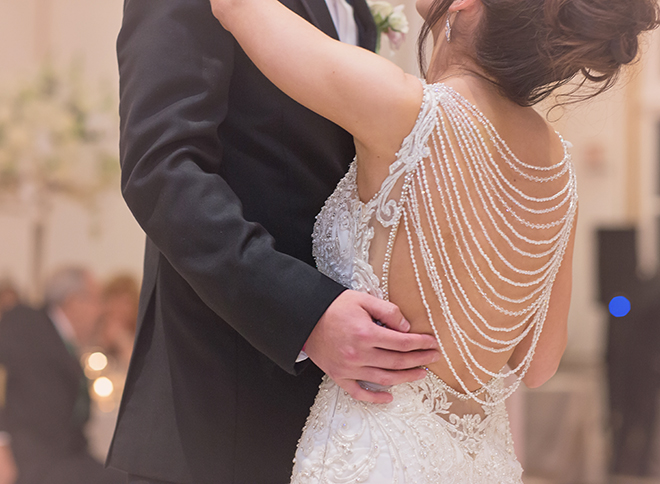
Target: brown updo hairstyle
pixel 529 48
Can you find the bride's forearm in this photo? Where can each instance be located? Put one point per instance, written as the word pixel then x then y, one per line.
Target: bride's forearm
pixel 227 10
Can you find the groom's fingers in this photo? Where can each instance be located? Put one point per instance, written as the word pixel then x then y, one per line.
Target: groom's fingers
pixel 385 313
pixel 389 378
pixel 382 377
pixel 402 342
pixel 390 315
pixel 356 391
pixel 398 361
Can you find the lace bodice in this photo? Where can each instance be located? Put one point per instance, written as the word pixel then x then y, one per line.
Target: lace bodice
pixel 345 226
pixel 432 433
pixel 423 437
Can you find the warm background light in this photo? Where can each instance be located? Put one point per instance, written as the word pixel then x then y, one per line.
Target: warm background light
pixel 103 387
pixel 97 361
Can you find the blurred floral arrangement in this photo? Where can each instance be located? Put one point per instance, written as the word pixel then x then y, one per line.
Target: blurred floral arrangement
pixel 55 140
pixel 390 21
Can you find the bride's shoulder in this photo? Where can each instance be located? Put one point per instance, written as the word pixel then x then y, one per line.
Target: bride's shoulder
pixel 456 86
pixel 524 130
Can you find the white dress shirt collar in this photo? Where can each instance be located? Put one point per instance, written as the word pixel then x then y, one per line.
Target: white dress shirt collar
pixel 344 19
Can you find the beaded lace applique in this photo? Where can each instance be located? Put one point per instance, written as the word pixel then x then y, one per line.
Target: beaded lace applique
pixel 343 231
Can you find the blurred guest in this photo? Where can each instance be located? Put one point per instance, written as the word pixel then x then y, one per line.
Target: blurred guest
pixel 119 319
pixel 8 470
pixel 47 401
pixel 8 296
pixel 8 299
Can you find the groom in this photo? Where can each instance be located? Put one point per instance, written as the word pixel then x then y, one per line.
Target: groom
pixel 225 174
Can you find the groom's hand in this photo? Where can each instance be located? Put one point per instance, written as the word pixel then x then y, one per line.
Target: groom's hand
pixel 348 346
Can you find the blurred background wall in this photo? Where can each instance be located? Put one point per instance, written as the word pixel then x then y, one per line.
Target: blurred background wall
pixel 66 34
pixel 616 150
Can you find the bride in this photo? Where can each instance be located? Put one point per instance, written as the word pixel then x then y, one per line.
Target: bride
pixel 461 211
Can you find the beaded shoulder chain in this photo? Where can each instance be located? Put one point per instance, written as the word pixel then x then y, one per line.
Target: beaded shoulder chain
pixel 462 210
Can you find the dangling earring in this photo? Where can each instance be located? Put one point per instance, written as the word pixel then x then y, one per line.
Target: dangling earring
pixel 448 28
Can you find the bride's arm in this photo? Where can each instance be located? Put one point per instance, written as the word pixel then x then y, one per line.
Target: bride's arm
pixel 552 342
pixel 350 86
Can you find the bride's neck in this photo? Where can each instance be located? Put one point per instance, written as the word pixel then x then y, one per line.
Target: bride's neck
pixel 451 66
pixel 449 61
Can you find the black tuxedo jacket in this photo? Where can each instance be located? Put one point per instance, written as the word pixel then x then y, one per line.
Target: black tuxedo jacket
pixel 225 174
pixel 44 412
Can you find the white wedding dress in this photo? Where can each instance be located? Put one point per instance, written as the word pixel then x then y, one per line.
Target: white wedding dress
pixel 430 433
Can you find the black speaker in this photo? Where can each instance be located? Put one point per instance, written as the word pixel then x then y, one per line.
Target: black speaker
pixel 617 263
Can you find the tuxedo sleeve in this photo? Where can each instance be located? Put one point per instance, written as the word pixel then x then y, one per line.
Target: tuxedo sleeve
pixel 175 64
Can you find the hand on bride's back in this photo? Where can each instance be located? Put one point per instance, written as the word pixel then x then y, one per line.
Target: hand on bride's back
pixel 348 346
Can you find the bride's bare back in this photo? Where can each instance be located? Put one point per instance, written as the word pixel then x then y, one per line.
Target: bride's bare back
pixel 445 435
pixel 483 236
pixel 483 272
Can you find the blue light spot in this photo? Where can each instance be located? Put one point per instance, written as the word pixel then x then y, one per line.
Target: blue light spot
pixel 619 306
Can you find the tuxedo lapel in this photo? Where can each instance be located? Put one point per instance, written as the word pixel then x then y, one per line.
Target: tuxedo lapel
pixel 366 25
pixel 320 16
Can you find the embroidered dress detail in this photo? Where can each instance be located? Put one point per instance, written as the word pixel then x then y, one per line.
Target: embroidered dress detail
pixel 486 234
pixel 421 437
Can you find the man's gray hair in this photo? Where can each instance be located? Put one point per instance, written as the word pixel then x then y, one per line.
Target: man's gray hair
pixel 65 282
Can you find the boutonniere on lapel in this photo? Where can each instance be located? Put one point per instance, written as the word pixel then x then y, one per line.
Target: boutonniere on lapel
pixel 390 21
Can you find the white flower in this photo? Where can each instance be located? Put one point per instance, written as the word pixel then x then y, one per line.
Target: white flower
pixel 398 20
pixel 390 21
pixel 380 10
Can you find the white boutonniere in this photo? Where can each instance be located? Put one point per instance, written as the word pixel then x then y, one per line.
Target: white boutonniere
pixel 390 21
